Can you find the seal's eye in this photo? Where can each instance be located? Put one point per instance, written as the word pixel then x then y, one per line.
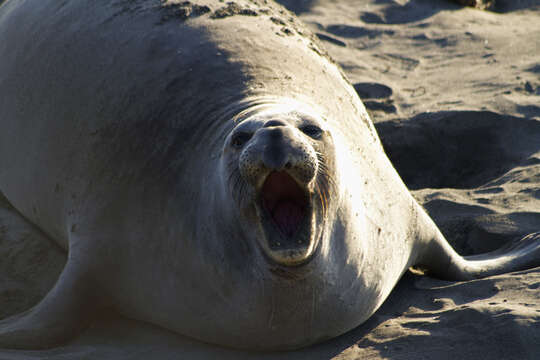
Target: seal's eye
pixel 239 139
pixel 312 131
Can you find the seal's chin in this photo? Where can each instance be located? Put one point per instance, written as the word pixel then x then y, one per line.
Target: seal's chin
pixel 286 213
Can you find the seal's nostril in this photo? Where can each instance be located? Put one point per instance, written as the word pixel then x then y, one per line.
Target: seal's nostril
pixel 274 123
pixel 288 165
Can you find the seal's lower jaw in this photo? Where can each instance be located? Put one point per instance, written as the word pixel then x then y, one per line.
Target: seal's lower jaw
pixel 287 219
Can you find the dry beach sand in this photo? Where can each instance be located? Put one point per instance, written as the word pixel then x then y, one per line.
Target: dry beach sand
pixel 455 95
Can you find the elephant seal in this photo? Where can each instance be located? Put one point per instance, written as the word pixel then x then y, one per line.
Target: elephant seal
pixel 209 169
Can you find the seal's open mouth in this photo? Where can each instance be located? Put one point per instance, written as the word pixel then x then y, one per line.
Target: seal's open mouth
pixel 285 203
pixel 287 218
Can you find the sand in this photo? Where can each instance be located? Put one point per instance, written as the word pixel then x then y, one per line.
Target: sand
pixel 455 95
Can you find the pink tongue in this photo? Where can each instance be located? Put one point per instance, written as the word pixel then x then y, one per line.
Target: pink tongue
pixel 287 216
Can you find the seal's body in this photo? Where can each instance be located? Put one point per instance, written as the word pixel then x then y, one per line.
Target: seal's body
pixel 208 169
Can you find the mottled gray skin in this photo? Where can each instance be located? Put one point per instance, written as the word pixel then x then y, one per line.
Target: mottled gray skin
pixel 117 118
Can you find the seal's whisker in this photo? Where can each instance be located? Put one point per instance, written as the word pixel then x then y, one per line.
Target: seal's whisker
pixel 243 194
pixel 323 173
pixel 236 185
pixel 328 180
pixel 325 203
pixel 231 175
pixel 322 200
pixel 239 188
pixel 325 183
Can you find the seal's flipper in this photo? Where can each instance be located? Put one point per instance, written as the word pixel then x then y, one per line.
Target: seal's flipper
pixel 64 312
pixel 441 260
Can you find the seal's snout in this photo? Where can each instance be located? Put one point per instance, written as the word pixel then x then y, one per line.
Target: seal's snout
pixel 280 146
pixel 276 158
pixel 277 148
pixel 285 202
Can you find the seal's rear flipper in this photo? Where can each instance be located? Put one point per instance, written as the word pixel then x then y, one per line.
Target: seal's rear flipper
pixel 64 312
pixel 442 261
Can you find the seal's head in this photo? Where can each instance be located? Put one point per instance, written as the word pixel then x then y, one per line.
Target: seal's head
pixel 280 165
